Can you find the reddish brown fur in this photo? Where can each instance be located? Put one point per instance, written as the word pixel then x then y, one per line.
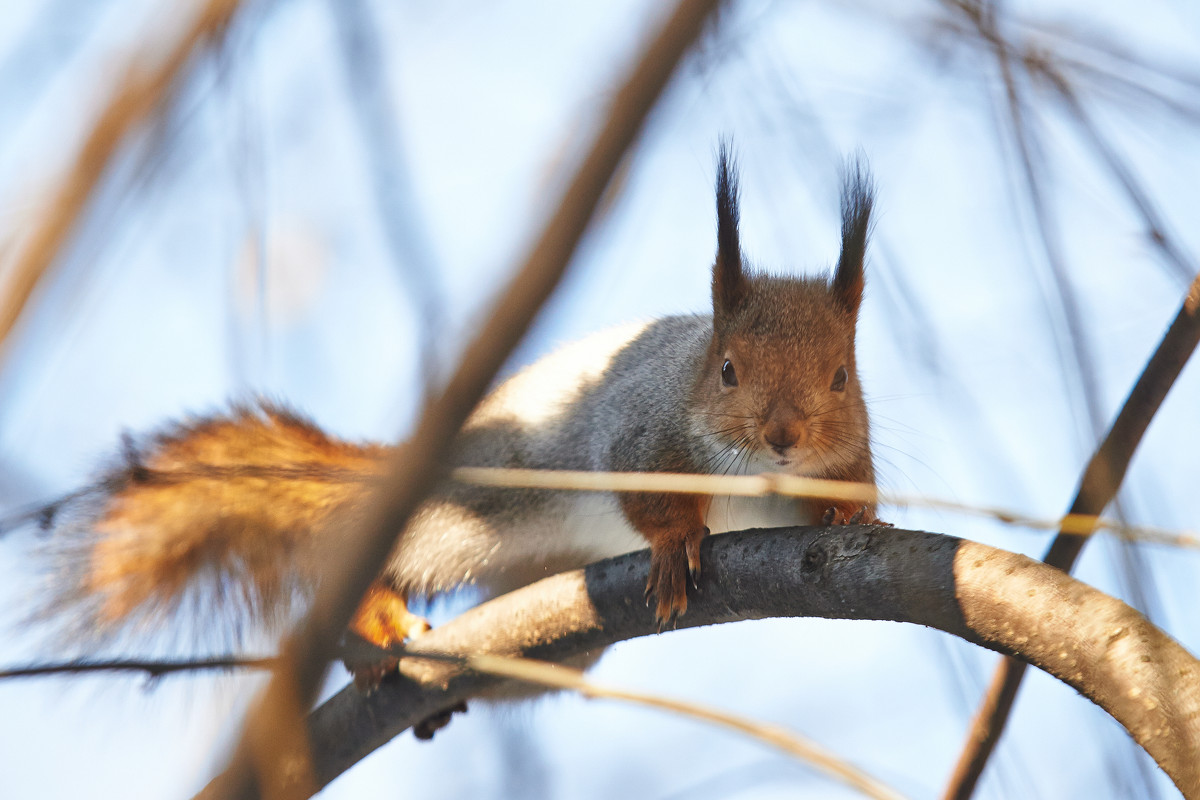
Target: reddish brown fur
pixel 674 526
pixel 789 343
pixel 252 491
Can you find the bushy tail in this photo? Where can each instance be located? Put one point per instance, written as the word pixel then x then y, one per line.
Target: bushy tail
pixel 228 515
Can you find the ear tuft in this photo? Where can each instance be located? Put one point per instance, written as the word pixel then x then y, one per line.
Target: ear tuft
pixel 858 196
pixel 729 286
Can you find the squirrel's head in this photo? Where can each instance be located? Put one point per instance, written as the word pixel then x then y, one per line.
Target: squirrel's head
pixel 780 385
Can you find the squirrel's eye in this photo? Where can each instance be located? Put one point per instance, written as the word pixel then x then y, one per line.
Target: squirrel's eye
pixel 728 376
pixel 839 380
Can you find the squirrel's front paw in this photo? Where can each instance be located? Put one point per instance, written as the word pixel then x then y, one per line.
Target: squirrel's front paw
pixel 382 619
pixel 671 564
pixel 848 515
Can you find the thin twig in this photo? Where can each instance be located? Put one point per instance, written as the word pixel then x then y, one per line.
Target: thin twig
pixel 1088 39
pixel 1156 228
pixel 1041 61
pixel 152 668
pixel 1116 77
pixel 420 462
pixel 1074 356
pixel 138 98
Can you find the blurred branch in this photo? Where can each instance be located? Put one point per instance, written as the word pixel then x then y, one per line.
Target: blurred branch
pixel 1000 600
pixel 139 97
pixel 1102 64
pixel 1045 61
pixel 1021 63
pixel 1155 226
pixel 1094 45
pixel 1036 63
pixel 1073 340
pixel 419 463
pixel 395 202
pixel 1097 488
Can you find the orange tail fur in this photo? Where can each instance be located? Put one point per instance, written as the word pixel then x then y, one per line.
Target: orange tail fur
pixel 229 513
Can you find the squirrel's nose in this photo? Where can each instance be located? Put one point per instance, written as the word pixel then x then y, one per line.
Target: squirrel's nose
pixel 778 447
pixel 785 428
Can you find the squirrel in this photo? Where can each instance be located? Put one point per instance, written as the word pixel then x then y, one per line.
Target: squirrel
pixel 247 503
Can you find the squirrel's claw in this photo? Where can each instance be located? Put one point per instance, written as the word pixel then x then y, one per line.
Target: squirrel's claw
pixel 841 515
pixel 667 582
pixel 670 567
pixel 692 548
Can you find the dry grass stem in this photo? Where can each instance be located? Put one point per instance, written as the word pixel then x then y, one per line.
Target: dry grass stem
pixel 557 676
pixel 796 486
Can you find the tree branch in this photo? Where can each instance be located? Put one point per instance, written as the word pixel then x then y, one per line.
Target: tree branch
pixel 1003 601
pixel 1097 488
pixel 1106 469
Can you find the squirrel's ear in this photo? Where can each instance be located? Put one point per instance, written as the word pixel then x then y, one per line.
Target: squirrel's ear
pixel 858 195
pixel 729 285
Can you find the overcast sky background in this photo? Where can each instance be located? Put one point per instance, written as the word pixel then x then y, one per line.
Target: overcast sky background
pixel 156 311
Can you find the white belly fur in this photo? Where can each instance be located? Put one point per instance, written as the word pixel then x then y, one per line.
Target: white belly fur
pixel 592 527
pixel 597 528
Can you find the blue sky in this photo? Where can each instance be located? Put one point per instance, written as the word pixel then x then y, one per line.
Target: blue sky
pixel 154 313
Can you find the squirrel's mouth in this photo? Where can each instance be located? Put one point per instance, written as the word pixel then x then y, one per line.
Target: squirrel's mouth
pixel 797 461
